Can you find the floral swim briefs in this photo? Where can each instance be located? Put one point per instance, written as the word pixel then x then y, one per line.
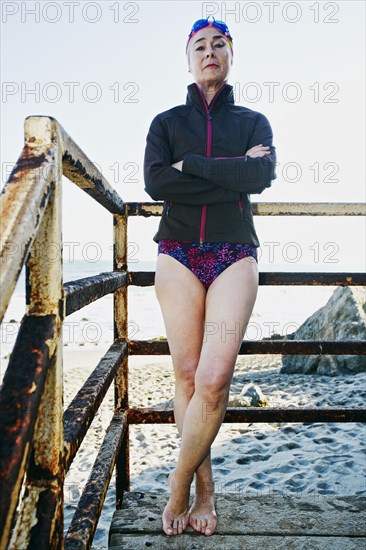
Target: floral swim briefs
pixel 206 260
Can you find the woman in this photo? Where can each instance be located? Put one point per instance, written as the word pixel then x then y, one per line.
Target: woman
pixel 203 159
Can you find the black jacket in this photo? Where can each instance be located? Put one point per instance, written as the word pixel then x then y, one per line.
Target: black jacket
pixel 208 200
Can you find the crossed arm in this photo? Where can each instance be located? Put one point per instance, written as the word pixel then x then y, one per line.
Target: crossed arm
pixel 197 179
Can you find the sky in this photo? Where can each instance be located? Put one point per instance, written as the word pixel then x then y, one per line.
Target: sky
pixel 105 69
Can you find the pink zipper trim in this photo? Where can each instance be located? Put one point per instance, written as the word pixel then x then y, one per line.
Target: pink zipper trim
pixel 203 223
pixel 208 153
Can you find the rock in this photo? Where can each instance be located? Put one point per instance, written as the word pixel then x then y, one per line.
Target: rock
pixel 166 405
pixel 250 396
pixel 342 318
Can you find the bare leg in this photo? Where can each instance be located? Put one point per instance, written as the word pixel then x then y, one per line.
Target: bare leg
pixel 238 285
pixel 229 304
pixel 182 299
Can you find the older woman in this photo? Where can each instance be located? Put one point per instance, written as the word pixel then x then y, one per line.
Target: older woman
pixel 203 159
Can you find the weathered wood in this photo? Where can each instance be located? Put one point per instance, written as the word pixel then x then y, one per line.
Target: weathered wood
pixel 84 291
pixel 269 208
pixel 151 415
pixel 84 522
pixel 81 411
pixel 247 521
pixel 252 347
pixel 234 542
pixel 276 278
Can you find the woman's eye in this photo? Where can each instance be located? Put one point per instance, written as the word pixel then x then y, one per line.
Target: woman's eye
pixel 219 45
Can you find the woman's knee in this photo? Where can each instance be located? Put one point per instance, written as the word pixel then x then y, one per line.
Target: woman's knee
pixel 213 385
pixel 185 372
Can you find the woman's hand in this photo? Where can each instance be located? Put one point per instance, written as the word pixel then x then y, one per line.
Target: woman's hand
pixel 178 165
pixel 258 151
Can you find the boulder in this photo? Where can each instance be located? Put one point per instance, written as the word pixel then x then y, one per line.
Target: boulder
pixel 343 317
pixel 250 396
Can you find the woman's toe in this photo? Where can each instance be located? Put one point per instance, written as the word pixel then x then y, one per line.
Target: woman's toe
pixel 208 530
pixel 193 522
pixel 167 528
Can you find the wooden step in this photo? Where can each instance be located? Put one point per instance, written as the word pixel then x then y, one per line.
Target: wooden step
pixel 248 522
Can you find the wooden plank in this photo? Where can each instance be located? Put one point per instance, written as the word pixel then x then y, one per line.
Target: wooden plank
pixel 267 515
pixel 231 542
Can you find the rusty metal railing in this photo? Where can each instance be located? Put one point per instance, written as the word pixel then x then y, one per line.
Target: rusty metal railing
pixel 37 442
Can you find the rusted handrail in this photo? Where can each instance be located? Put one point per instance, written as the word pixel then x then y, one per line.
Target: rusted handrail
pixel 32 440
pixel 147 209
pixel 254 347
pixel 83 292
pixel 146 278
pixel 149 415
pixel 81 411
pixel 37 440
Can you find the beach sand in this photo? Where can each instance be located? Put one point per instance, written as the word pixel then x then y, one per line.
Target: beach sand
pixel 286 459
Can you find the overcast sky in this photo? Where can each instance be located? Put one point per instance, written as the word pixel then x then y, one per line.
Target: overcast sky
pixel 105 69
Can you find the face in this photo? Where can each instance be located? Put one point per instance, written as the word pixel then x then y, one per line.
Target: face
pixel 209 56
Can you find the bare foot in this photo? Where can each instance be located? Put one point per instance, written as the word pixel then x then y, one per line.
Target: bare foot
pixel 176 516
pixel 202 514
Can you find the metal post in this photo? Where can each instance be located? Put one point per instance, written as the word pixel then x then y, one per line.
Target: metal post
pixel 121 333
pixel 40 519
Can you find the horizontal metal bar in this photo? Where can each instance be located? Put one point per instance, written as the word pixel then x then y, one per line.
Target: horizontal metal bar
pixel 85 519
pixel 82 292
pixel 20 397
pixel 141 278
pixel 145 209
pixel 253 347
pixel 78 168
pixel 256 414
pixel 269 208
pixel 302 278
pixel 81 411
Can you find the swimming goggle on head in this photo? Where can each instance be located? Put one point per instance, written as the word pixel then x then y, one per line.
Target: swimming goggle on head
pixel 219 25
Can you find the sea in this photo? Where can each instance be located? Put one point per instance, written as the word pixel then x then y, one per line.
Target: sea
pixel 278 309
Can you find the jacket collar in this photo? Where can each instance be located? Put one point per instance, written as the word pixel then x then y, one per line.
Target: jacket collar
pixel 223 95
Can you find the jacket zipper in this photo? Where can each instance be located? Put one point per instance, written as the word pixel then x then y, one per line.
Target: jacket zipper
pixel 208 154
pixel 167 208
pixel 241 208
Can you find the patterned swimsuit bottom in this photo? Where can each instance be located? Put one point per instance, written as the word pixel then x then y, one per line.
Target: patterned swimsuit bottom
pixel 206 260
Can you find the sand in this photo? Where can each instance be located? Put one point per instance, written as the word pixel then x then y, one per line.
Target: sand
pixel 287 459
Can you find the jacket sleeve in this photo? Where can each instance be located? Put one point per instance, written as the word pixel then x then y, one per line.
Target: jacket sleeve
pixel 163 182
pixel 244 173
